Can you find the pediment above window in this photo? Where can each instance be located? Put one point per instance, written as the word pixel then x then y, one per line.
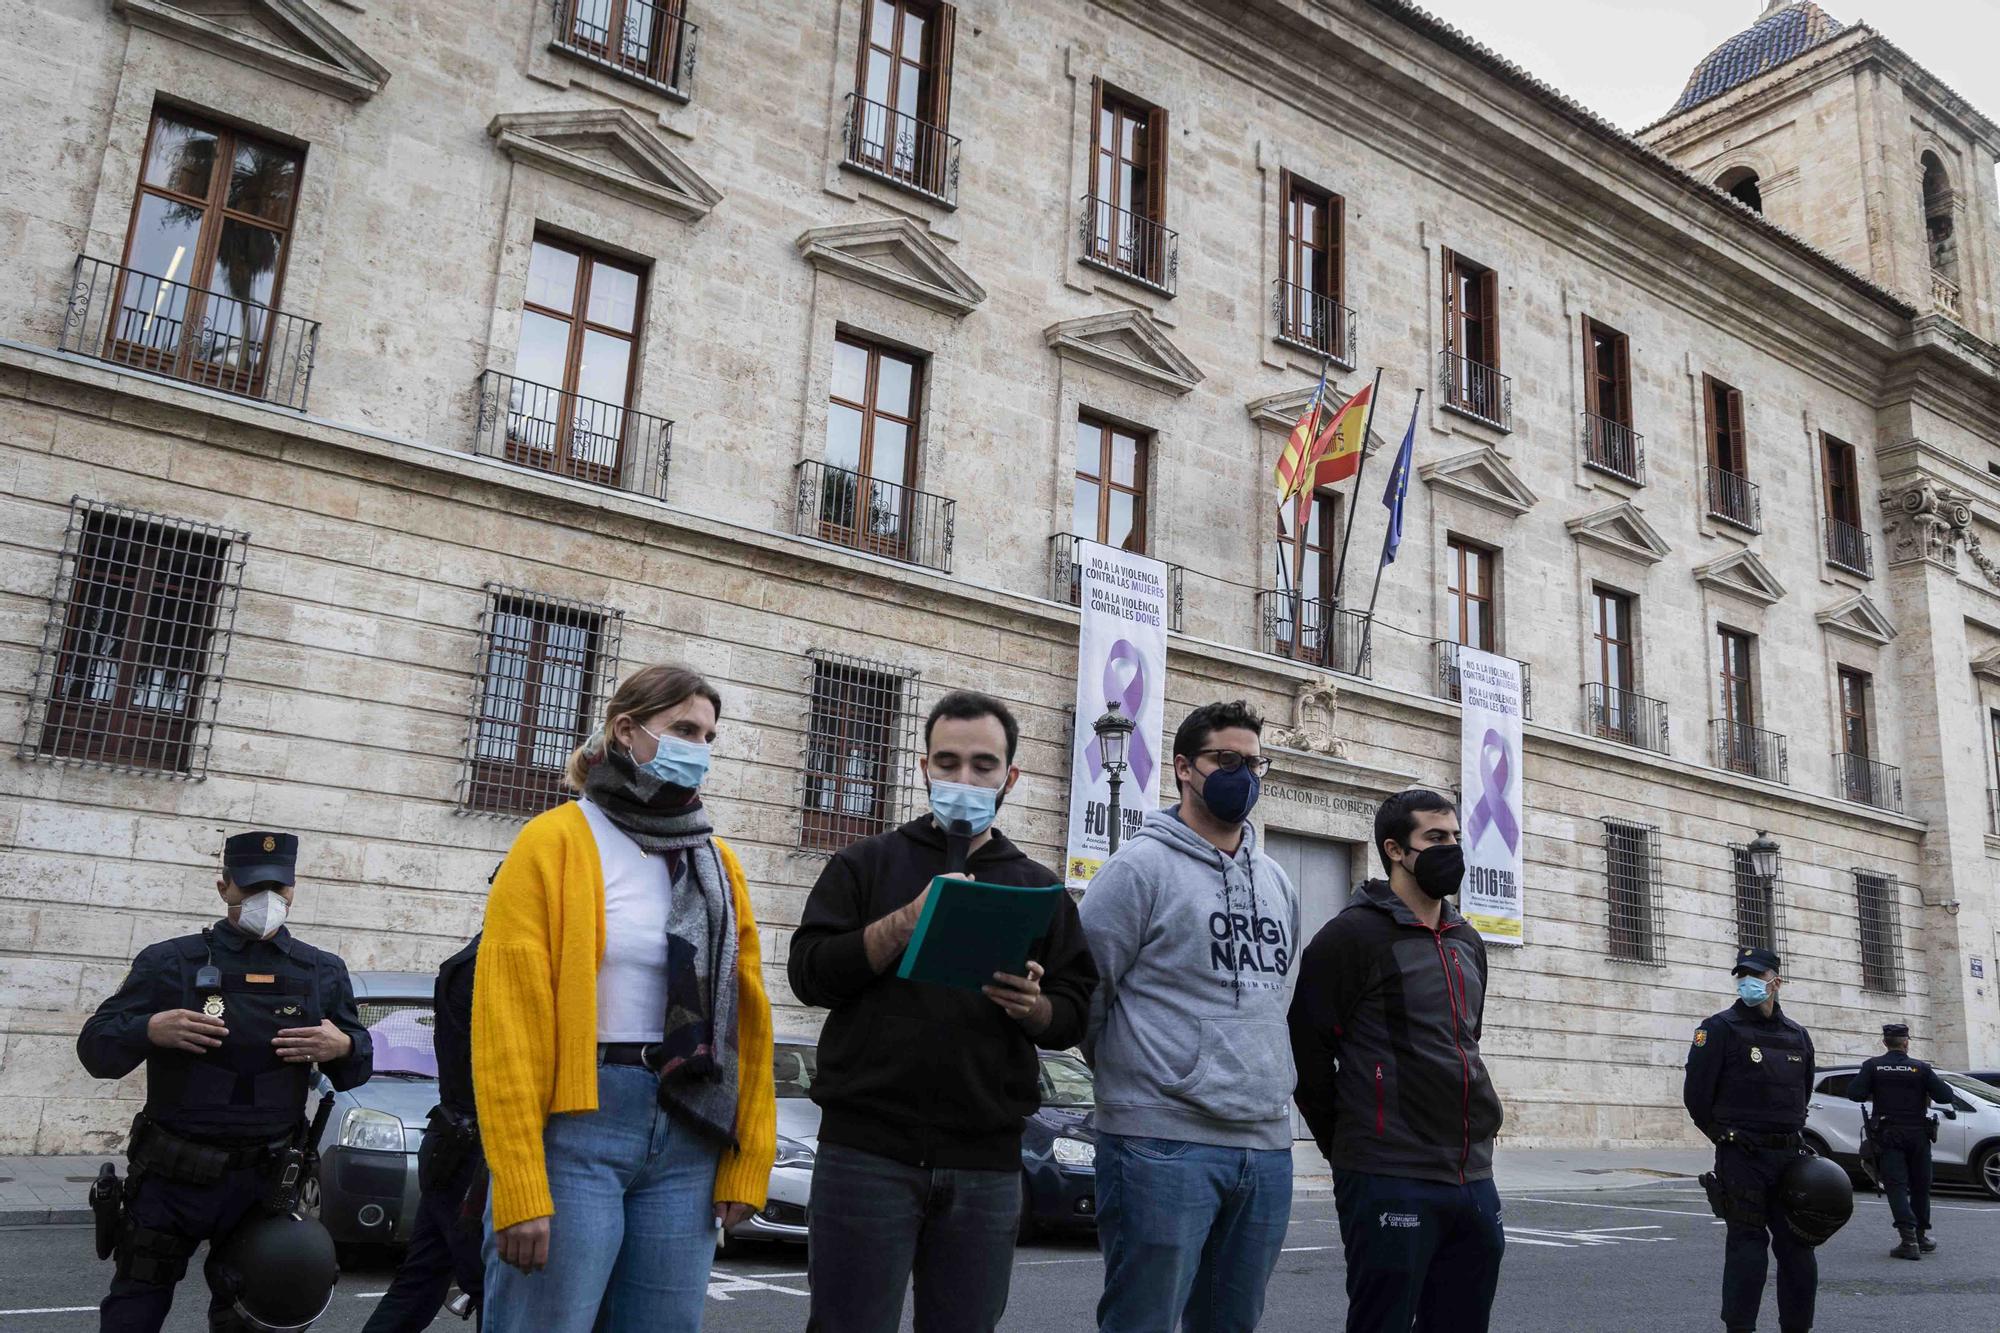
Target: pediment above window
pixel 1128 343
pixel 896 256
pixel 610 150
pixel 1744 575
pixel 287 38
pixel 1621 529
pixel 1484 478
pixel 1860 619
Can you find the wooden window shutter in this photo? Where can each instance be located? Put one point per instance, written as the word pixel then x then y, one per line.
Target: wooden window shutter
pixel 1096 131
pixel 1285 225
pixel 1336 240
pixel 1708 417
pixel 1489 292
pixel 1737 450
pixel 1451 319
pixel 1156 170
pixel 1591 401
pixel 1624 372
pixel 943 23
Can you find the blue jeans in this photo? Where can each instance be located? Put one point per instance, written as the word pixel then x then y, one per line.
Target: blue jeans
pixel 1190 1233
pixel 875 1224
pixel 633 1233
pixel 1420 1254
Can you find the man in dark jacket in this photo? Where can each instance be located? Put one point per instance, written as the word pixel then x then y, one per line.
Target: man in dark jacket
pixel 923 1088
pixel 1385 1033
pixel 1903 1088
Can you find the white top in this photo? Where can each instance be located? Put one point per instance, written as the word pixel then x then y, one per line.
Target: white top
pixel 632 979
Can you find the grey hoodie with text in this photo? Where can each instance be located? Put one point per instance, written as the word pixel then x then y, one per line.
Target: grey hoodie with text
pixel 1193 949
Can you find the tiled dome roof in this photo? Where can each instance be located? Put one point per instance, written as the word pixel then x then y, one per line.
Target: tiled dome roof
pixel 1765 44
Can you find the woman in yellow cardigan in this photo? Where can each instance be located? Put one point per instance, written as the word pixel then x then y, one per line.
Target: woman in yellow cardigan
pixel 621 1036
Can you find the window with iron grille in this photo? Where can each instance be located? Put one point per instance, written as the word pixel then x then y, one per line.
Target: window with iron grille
pixel 1632 891
pixel 1758 925
pixel 546 666
pixel 861 750
pixel 1881 938
pixel 138 634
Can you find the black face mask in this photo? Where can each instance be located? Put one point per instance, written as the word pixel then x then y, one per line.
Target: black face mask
pixel 1440 870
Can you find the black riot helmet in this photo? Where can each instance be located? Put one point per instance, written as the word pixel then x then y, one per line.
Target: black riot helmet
pixel 278 1272
pixel 1816 1197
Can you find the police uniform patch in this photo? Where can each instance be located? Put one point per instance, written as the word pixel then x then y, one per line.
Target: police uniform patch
pixel 212 1006
pixel 1701 1036
pixel 1756 1056
pixel 270 843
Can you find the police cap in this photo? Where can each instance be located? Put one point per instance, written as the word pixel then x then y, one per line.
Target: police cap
pixel 260 858
pixel 1895 1031
pixel 1758 961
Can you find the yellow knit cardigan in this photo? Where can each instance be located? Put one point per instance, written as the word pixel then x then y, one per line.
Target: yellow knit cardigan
pixel 534 1016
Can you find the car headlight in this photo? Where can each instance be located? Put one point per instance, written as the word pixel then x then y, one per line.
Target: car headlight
pixel 792 1153
pixel 375 1131
pixel 1075 1152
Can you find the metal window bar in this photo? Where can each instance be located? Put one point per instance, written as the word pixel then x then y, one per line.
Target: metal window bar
pixel 1848 547
pixel 1635 918
pixel 585 439
pixel 655 44
pixel 132 318
pixel 1130 244
pixel 1878 912
pixel 1315 630
pixel 1477 391
pixel 1066 578
pixel 1628 718
pixel 133 654
pixel 1444 656
pixel 859 512
pixel 1610 446
pixel 1749 750
pixel 1759 906
pixel 1861 779
pixel 1314 322
pixel 1734 499
pixel 860 750
pixel 901 149
pixel 546 666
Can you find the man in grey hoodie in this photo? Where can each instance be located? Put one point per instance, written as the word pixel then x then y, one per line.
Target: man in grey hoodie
pixel 1193 931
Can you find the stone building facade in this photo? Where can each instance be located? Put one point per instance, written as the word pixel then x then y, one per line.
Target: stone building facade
pixel 351 569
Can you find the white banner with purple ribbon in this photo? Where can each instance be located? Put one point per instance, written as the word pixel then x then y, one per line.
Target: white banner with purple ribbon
pixel 1121 658
pixel 1489 688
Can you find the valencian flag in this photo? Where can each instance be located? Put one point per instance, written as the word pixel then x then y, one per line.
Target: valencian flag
pixel 1333 453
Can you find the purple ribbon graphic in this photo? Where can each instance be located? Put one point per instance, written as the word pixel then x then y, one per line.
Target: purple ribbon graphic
pixel 1133 701
pixel 1493 810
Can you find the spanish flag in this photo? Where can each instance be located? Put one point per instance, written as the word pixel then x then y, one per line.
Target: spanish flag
pixel 1324 448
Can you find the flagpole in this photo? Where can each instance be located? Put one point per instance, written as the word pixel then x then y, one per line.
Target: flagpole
pixel 1368 625
pixel 1354 507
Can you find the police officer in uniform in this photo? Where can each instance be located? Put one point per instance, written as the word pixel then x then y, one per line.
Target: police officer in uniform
pixel 1903 1089
pixel 1749 1078
pixel 229 1024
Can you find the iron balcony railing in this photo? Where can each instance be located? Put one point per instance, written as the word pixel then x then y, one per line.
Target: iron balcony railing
pixel 1131 244
pixel 1734 499
pixel 1313 322
pixel 132 318
pixel 1944 295
pixel 879 517
pixel 1066 578
pixel 897 147
pixel 1848 547
pixel 1630 719
pixel 652 42
pixel 1444 658
pixel 1611 446
pixel 1475 390
pixel 572 436
pixel 1864 780
pixel 1752 751
pixel 1314 630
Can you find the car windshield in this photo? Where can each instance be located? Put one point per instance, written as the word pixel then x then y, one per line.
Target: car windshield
pixel 794 1069
pixel 401 1031
pixel 1066 1081
pixel 1973 1089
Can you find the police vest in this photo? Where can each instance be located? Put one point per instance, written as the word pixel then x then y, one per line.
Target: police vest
pixel 1900 1090
pixel 242 1084
pixel 1766 1078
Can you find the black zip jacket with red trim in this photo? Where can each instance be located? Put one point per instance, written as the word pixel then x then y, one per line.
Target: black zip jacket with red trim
pixel 1385 1033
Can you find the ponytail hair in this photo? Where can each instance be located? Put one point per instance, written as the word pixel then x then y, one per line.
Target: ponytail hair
pixel 651 690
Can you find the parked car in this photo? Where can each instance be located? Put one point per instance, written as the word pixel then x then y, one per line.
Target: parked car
pixel 366 1192
pixel 1968 1141
pixel 1985 1076
pixel 1058 1149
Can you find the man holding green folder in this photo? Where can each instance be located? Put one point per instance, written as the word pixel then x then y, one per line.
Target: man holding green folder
pixel 923 1084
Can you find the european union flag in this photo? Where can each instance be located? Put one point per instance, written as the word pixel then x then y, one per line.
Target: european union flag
pixel 1399 486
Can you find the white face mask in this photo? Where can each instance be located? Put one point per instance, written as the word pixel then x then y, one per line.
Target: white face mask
pixel 263 913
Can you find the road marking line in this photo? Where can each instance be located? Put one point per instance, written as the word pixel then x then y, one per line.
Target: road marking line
pixel 52 1309
pixel 1613 1207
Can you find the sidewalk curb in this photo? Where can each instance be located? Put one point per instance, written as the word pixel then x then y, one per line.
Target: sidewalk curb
pixel 44 1217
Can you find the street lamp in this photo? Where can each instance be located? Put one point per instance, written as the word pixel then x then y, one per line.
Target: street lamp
pixel 1113 730
pixel 1763 851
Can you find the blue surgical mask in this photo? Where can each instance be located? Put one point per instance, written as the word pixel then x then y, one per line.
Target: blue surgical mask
pixel 1230 796
pixel 676 763
pixel 955 802
pixel 1752 990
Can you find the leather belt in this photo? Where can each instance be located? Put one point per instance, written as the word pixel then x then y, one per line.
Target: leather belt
pixel 627 1053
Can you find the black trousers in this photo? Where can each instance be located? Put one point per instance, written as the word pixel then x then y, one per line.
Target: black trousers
pixel 1754 1172
pixel 1906 1174
pixel 197 1212
pixel 444 1245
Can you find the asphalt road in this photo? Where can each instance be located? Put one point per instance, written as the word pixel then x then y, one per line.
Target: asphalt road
pixel 1629 1261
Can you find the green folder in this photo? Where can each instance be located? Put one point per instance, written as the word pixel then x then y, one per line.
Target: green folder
pixel 968 931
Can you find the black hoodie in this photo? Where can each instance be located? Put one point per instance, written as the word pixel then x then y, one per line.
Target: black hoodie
pixel 925 1074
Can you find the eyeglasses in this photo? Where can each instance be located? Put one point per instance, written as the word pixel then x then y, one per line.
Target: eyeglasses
pixel 1228 761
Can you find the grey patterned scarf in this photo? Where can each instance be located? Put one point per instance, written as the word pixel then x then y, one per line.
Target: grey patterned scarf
pixel 697 1055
